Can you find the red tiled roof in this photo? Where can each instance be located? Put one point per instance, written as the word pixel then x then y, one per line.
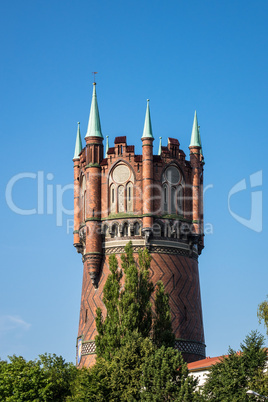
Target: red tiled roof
pixel 165 149
pixel 111 151
pixel 173 141
pixel 130 148
pixel 209 361
pixel 204 363
pixel 120 140
pixel 104 162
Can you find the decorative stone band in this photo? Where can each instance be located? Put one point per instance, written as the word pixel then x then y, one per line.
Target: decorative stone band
pixel 196 348
pixel 116 246
pixel 88 348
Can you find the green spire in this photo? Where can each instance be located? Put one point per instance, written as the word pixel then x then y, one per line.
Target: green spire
pixel 78 143
pixel 94 126
pixel 107 146
pixel 195 138
pixel 160 146
pixel 147 131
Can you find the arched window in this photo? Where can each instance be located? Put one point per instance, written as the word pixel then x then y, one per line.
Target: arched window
pixel 112 198
pixel 125 229
pixel 172 191
pixel 114 230
pixel 157 230
pixel 165 198
pixel 105 231
pixel 129 197
pixel 179 200
pixel 136 229
pixel 121 206
pixel 173 200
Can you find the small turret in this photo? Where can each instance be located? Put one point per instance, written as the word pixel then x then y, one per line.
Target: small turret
pixel 94 126
pixel 94 157
pixel 148 175
pixel 147 130
pixel 197 168
pixel 160 146
pixel 107 146
pixel 78 143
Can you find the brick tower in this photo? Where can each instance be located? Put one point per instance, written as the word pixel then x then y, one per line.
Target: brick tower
pixel 156 201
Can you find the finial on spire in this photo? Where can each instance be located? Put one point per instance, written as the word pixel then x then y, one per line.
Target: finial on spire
pixel 78 143
pixel 195 138
pixel 107 146
pixel 94 126
pixel 94 74
pixel 147 130
pixel 160 146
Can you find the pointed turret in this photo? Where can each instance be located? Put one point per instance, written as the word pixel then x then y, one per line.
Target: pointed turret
pixel 94 126
pixel 107 146
pixel 78 143
pixel 195 138
pixel 147 131
pixel 160 146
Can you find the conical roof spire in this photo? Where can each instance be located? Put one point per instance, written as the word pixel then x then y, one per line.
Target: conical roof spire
pixel 78 143
pixel 107 146
pixel 94 126
pixel 147 131
pixel 195 138
pixel 160 146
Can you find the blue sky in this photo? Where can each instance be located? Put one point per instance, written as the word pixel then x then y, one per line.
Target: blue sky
pixel 184 55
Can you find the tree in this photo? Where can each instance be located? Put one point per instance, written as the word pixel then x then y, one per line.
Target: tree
pixel 230 379
pixel 165 377
pixel 138 371
pixel 45 379
pixel 129 365
pixel 262 313
pixel 162 331
pixel 129 306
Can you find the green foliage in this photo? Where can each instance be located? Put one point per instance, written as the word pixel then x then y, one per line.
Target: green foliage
pixel 262 313
pixel 231 378
pixel 165 377
pixel 45 379
pixel 162 333
pixel 138 371
pixel 130 365
pixel 128 307
pixel 109 331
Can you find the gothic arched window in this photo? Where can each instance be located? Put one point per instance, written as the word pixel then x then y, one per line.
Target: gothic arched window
pixel 121 199
pixel 172 191
pixel 121 182
pixel 180 200
pixel 125 229
pixel 112 199
pixel 114 230
pixel 129 197
pixel 136 229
